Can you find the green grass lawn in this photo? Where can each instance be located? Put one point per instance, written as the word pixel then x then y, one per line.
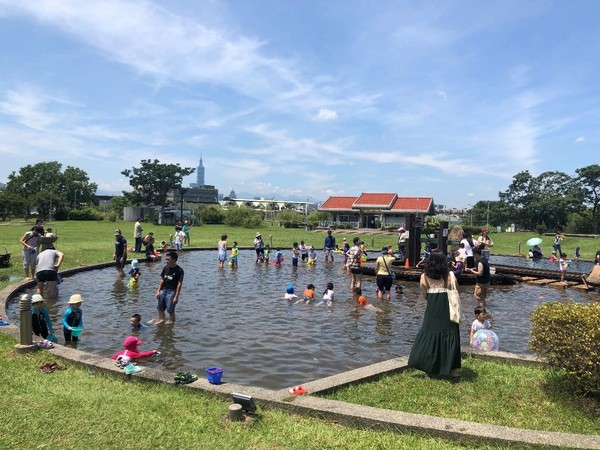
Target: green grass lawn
pixel 73 408
pixel 489 392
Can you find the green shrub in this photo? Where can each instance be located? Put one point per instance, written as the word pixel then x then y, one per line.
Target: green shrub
pixel 541 229
pixel 85 214
pixel 290 219
pixel 566 335
pixel 242 217
pixel 112 216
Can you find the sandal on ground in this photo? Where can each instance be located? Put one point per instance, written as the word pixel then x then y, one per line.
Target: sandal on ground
pixel 185 377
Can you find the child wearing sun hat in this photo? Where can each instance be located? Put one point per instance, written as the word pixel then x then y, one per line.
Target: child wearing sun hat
pixel 40 319
pixel 131 351
pixel 73 317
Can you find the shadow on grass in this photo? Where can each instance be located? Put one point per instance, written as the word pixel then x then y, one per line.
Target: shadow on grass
pixel 561 389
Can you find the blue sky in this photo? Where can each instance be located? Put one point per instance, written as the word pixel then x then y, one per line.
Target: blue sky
pixel 304 98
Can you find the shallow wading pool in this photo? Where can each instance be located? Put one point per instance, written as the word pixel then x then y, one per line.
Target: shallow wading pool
pixel 238 320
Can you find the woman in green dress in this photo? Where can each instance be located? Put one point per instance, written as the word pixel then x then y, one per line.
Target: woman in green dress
pixel 436 350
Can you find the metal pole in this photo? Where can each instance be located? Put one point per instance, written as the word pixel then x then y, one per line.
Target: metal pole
pixel 26 344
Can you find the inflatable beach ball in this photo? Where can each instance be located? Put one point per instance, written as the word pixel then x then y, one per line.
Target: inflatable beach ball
pixel 485 340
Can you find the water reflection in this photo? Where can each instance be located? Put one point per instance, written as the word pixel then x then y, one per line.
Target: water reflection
pixel 238 320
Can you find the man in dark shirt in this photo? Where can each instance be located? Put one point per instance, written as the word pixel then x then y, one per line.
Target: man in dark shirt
pixel 329 246
pixel 169 287
pixel 483 277
pixel 120 256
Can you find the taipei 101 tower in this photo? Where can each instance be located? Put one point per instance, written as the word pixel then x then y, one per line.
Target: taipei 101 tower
pixel 199 175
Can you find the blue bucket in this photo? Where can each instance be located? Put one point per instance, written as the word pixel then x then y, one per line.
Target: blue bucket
pixel 76 331
pixel 214 374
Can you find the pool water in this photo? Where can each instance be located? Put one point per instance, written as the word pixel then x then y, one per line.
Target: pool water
pixel 238 320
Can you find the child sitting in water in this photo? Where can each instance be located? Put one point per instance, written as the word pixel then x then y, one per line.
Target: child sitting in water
pixel 309 294
pixel 131 351
pixel 480 323
pixel 164 247
pixel 553 256
pixel 134 273
pixel 136 322
pixel 289 293
pixel 362 301
pixel 328 294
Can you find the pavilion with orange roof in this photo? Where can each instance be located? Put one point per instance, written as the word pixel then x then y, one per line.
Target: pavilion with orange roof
pixel 376 210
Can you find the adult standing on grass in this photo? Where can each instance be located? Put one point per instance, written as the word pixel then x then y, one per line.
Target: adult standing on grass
pixel 169 288
pixel 31 243
pixel 436 350
pixel 137 234
pixel 186 230
pixel 120 255
pixel 46 273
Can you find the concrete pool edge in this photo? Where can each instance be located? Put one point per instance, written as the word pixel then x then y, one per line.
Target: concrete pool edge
pixel 357 416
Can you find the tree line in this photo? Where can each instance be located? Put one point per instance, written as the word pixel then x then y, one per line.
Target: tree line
pixel 550 201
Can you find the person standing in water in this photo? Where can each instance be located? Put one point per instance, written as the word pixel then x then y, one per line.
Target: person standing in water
pixel 169 288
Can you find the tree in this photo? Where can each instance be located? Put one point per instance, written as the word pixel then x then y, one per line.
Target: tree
pixel 492 213
pixel 11 204
pixel 77 187
pixel 589 180
pixel 152 182
pixel 547 199
pixel 44 187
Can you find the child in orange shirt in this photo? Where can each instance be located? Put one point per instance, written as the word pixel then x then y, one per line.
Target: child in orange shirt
pixel 309 294
pixel 362 301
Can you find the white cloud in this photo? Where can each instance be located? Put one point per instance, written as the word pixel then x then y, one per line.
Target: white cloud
pixel 579 139
pixel 443 95
pixel 326 114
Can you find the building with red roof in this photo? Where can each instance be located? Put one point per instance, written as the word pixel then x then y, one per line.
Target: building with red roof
pixel 376 210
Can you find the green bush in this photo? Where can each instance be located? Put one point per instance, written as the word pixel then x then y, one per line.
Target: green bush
pixel 211 214
pixel 112 216
pixel 541 229
pixel 242 217
pixel 85 214
pixel 566 335
pixel 290 219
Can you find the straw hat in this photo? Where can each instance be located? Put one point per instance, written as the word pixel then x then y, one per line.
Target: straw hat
pixel 75 298
pixel 258 235
pixel 36 298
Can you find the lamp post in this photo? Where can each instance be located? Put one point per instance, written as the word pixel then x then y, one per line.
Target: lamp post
pixel 487 219
pixel 306 216
pixel 181 193
pixel 272 202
